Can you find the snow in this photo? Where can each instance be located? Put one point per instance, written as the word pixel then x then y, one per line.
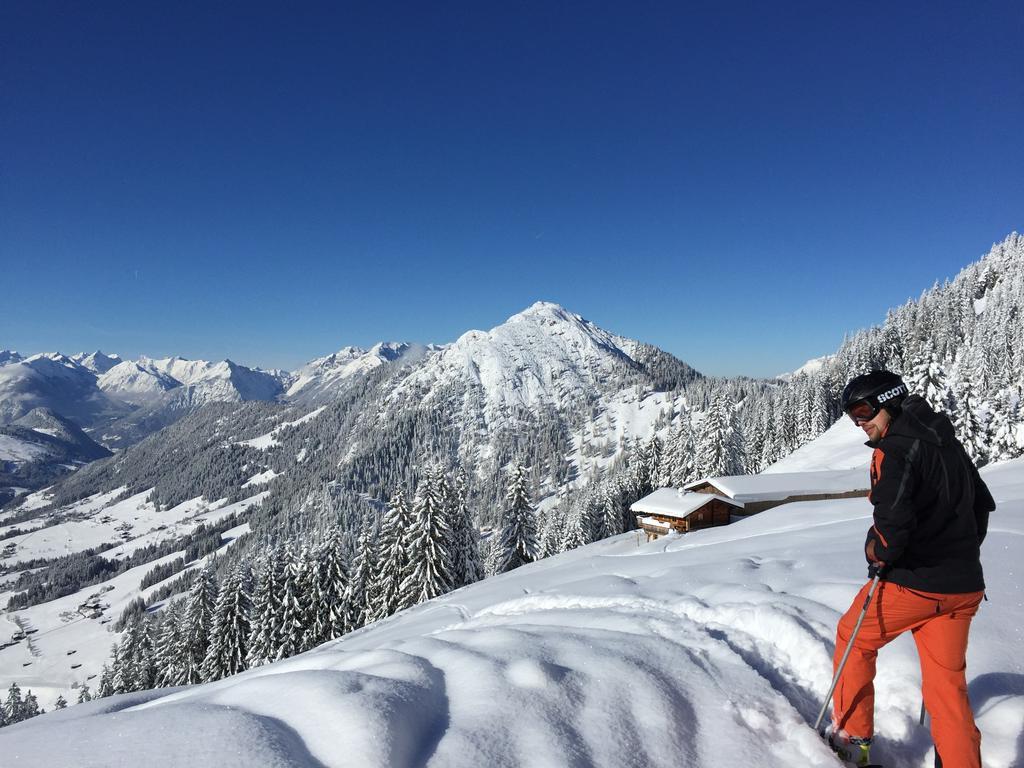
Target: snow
pixel 36 500
pixel 68 648
pixel 96 521
pixel 676 503
pixel 812 366
pixel 840 447
pixel 782 485
pixel 327 374
pixel 269 440
pixel 13 449
pixel 709 649
pixel 261 479
pixel 653 521
pixel 543 355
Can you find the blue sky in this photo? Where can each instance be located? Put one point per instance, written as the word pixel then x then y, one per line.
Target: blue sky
pixel 738 183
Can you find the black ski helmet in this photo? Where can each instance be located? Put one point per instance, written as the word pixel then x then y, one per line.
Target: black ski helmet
pixel 881 389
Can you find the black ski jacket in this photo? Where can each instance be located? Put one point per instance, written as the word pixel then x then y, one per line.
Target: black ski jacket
pixel 931 505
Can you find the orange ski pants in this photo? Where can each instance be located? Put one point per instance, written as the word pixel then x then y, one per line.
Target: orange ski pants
pixel 939 624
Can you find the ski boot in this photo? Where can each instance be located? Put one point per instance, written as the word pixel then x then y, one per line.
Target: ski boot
pixel 850 749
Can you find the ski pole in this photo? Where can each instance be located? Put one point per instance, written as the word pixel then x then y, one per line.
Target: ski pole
pixel 849 645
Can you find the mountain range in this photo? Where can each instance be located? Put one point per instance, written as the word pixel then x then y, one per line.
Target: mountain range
pixel 544 360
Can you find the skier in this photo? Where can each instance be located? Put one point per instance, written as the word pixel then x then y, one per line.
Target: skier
pixel 931 513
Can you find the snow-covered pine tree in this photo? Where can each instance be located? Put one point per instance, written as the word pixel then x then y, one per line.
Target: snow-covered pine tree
pixel 719 451
pixel 134 665
pixel 552 529
pixel 14 705
pixel 121 666
pixel 84 694
pixel 517 540
pixel 314 589
pixel 229 638
pixel 970 420
pixel 334 580
pixel 106 687
pixel 31 705
pixel 393 557
pixel 611 509
pixel 466 565
pixel 264 629
pixel 168 646
pixel 358 594
pixel 195 626
pixel 61 703
pixel 1007 425
pixel 928 378
pixel 294 614
pixel 430 556
pixel 577 528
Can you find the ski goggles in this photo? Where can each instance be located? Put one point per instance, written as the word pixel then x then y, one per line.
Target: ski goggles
pixel 862 411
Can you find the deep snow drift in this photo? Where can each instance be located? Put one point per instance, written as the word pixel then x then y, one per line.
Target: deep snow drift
pixel 712 649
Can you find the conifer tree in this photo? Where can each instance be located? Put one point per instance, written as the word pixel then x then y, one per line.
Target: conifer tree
pixel 393 558
pixel 718 445
pixel 107 678
pixel 30 706
pixel 84 694
pixel 195 627
pixel 334 575
pixel 134 666
pixel 358 597
pixel 168 651
pixel 611 510
pixel 315 597
pixel 61 703
pixel 430 556
pixel 928 378
pixel 14 706
pixel 293 618
pixel 970 423
pixel 264 629
pixel 229 636
pixel 577 529
pixel 517 542
pixel 466 566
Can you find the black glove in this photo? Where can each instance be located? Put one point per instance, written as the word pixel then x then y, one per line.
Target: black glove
pixel 878 569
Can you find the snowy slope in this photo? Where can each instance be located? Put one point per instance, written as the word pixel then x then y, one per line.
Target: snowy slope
pixel 712 649
pixel 68 647
pixel 841 446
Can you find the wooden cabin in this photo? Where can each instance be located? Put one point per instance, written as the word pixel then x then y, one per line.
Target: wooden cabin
pixel 669 509
pixel 760 492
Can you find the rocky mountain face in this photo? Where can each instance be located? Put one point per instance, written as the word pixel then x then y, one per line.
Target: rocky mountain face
pixel 323 379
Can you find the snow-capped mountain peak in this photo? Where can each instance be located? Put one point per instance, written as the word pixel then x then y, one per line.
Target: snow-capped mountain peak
pixel 97 362
pixel 544 355
pixel 136 377
pixel 9 356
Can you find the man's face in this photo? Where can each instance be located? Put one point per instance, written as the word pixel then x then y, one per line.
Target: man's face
pixel 875 428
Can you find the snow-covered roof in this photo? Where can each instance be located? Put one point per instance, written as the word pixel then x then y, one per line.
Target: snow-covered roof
pixel 782 485
pixel 672 502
